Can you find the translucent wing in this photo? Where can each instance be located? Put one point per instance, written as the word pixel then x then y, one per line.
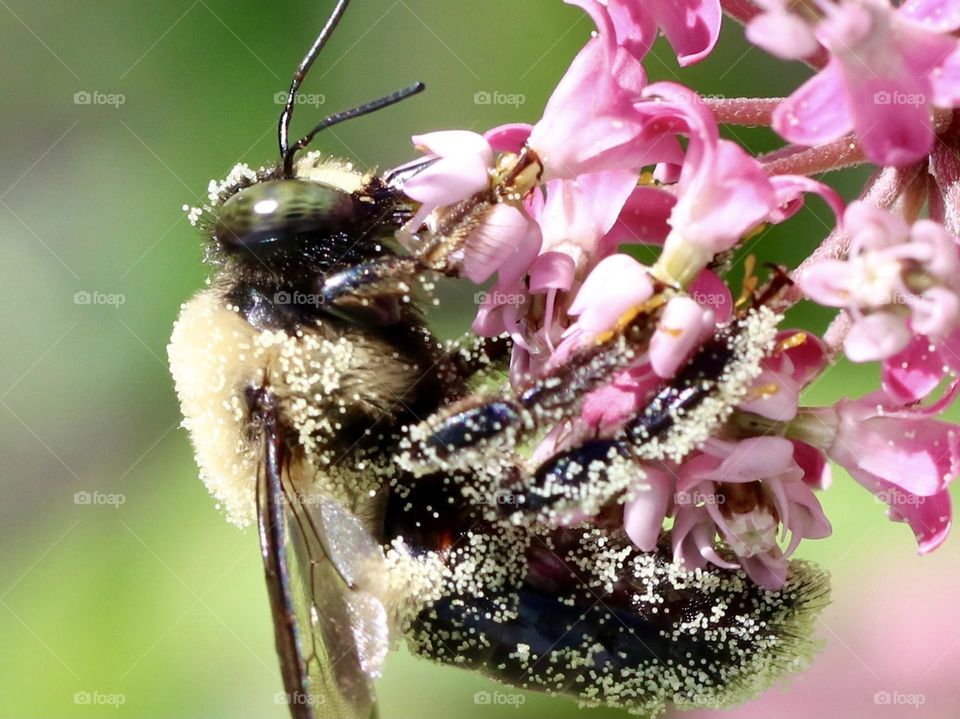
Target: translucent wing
pixel 321 569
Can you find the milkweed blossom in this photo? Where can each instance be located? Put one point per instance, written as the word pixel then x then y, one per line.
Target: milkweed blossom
pixel 627 207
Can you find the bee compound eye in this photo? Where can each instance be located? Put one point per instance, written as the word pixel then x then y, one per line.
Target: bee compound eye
pixel 270 213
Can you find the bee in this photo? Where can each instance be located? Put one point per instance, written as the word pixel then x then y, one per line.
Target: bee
pixel 392 497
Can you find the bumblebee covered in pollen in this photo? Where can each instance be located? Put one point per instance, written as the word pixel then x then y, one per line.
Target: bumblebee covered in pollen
pixel 321 406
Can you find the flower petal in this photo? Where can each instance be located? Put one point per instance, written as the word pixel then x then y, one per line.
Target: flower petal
pixel 818 112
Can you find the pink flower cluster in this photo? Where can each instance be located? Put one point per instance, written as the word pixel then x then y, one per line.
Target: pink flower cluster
pixel 621 163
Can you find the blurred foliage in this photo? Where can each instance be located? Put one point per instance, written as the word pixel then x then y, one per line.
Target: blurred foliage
pixel 158 600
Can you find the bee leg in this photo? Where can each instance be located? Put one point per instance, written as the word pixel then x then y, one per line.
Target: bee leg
pixel 374 293
pixel 596 619
pixel 479 426
pixel 581 479
pixel 679 417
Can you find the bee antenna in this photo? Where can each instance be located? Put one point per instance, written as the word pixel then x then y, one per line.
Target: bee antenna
pixel 303 68
pixel 365 109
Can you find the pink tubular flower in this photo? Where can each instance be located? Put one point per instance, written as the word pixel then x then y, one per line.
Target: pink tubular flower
pixel 591 122
pixel 722 192
pixel 903 456
pixel 463 161
pixel 889 67
pixel 750 493
pixel 899 281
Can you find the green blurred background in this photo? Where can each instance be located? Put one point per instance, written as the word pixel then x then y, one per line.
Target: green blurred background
pixel 152 605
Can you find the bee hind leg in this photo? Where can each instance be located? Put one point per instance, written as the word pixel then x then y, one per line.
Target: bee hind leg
pixel 481 425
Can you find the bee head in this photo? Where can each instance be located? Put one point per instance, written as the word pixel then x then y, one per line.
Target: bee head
pixel 300 227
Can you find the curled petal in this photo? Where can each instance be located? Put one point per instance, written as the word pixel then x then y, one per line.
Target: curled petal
pixel 506 240
pixel 691 26
pixel 552 271
pixel 768 569
pixel 906 450
pixel 818 112
pixel 616 285
pixel 643 515
pixel 643 220
pixel 590 123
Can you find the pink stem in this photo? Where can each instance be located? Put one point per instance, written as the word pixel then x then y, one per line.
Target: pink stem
pixel 882 190
pixel 743 11
pixel 837 332
pixel 845 152
pixel 743 110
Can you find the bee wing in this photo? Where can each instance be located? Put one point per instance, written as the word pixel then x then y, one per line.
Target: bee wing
pixel 331 630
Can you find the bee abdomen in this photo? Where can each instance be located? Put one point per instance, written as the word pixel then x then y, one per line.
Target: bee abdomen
pixel 598 620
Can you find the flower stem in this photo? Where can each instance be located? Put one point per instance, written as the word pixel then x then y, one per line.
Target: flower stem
pixel 845 152
pixel 837 332
pixel 743 110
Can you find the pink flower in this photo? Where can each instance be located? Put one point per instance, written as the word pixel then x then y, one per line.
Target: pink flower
pixel 903 456
pixel 463 161
pixel 919 368
pixel 798 358
pixel 532 296
pixel 691 26
pixel 722 192
pixel 507 241
pixel 617 284
pixel 889 67
pixel 899 280
pixel 743 492
pixel 591 122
